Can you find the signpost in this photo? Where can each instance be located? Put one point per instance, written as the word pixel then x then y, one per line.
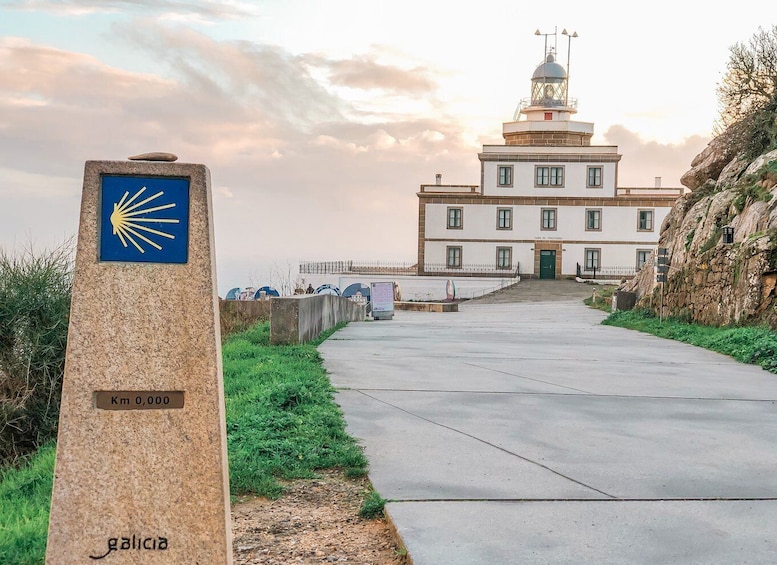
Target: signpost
pixel 382 297
pixel 141 470
pixel 662 272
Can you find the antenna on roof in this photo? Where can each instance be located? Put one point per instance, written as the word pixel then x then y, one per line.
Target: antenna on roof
pixel 569 49
pixel 555 40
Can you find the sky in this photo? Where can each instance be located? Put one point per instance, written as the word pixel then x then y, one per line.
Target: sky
pixel 320 119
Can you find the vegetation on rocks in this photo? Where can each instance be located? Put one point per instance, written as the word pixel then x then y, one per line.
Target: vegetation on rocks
pixel 748 92
pixel 733 184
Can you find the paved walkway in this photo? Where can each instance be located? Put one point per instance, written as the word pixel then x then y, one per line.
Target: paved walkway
pixel 512 433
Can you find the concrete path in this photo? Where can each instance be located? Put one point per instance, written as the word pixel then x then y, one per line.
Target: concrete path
pixel 527 432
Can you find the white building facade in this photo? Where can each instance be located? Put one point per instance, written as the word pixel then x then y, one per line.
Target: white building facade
pixel 548 204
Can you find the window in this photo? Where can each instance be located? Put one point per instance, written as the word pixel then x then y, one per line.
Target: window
pixel 549 218
pixel 642 257
pixel 556 176
pixel 549 176
pixel 505 175
pixel 593 220
pixel 645 220
pixel 594 177
pixel 504 257
pixel 455 218
pixel 453 260
pixel 504 218
pixel 548 116
pixel 592 259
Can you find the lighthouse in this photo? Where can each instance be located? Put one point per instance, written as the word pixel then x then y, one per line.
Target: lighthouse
pixel 548 204
pixel 544 119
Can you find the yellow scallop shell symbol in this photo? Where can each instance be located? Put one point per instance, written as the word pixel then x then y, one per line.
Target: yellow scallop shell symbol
pixel 128 221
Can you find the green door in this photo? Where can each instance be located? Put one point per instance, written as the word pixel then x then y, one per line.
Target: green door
pixel 547 264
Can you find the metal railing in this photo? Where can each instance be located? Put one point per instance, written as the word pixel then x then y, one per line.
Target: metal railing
pixel 605 272
pixel 472 269
pixel 356 267
pixel 387 268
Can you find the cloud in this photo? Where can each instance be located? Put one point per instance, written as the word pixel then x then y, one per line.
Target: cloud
pixel 200 10
pixel 366 74
pixel 299 173
pixel 643 160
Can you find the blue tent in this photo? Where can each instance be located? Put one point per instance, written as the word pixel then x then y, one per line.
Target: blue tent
pixel 268 290
pixel 328 289
pixel 233 293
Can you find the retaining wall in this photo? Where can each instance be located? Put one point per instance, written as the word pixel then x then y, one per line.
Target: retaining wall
pixel 239 315
pixel 299 319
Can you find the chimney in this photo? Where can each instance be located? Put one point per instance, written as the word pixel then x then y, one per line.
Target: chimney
pixel 658 182
pixel 438 179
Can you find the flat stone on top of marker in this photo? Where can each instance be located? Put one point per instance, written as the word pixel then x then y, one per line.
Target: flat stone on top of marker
pixel 155 156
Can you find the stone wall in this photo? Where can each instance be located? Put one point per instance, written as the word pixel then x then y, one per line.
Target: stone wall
pixel 239 315
pixel 299 319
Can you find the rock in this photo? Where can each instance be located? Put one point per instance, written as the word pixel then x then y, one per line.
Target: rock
pixel 158 156
pixel 710 163
pixel 710 282
pixel 733 171
pixel 761 161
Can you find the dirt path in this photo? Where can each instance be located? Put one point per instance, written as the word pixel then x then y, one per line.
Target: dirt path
pixel 315 521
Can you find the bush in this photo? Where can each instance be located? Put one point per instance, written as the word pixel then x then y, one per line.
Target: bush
pixel 34 311
pixel 372 507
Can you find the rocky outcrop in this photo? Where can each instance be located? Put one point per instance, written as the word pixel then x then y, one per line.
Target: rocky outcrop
pixel 719 154
pixel 710 281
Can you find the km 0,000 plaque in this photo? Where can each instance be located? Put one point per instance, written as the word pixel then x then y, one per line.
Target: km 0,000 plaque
pixel 138 399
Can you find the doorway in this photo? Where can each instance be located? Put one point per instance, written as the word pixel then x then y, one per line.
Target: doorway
pixel 547 264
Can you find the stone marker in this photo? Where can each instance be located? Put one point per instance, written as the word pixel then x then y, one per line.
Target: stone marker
pixel 141 471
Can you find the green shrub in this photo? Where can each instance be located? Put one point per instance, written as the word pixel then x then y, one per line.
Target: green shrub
pixel 372 506
pixel 689 239
pixel 34 311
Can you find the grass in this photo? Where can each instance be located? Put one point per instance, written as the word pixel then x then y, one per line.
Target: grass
pixel 372 506
pixel 282 423
pixel 754 345
pixel 601 297
pixel 25 496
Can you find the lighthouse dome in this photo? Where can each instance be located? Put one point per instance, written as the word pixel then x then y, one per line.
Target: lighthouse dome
pixel 550 69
